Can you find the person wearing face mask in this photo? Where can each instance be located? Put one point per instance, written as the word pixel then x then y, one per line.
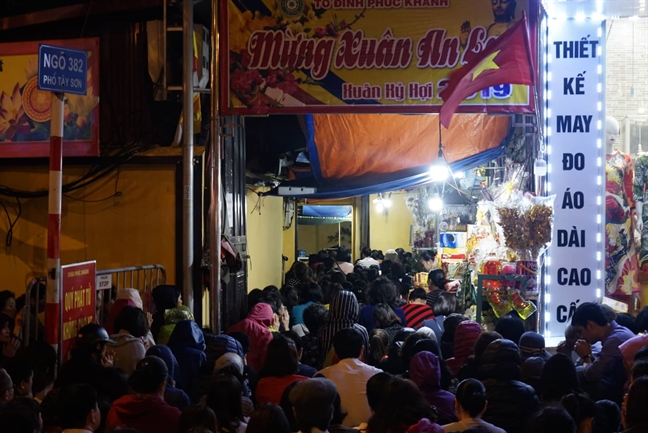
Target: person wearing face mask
pixel 620 255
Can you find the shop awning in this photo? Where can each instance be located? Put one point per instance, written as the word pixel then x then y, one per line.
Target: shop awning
pixel 360 154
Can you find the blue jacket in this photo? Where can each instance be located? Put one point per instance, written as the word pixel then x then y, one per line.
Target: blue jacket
pixel 187 343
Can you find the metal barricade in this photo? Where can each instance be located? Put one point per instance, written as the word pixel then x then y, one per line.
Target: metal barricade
pixel 143 278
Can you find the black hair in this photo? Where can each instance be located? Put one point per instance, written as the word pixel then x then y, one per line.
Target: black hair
pixel 338 413
pixel 417 293
pixel 295 338
pixel 628 320
pixel 552 419
pixel 44 359
pixel 510 328
pixel 149 375
pixel 608 417
pixel 20 369
pixel 22 415
pixel 289 296
pixel 484 339
pixel 133 320
pixel 315 316
pixel 348 343
pixel 281 358
pixel 445 305
pixel 74 403
pixel 381 291
pixel 641 354
pixel 636 413
pixel 287 406
pixel 366 252
pixel 224 398
pixel 398 270
pixel 377 387
pixel 198 417
pixel 253 298
pixel 579 407
pixel 407 349
pixel 384 316
pixel 428 255
pixel 330 292
pixel 639 369
pixel 609 312
pixel 471 395
pixel 272 300
pixel 242 338
pixel 403 406
pixel 310 292
pixel 588 311
pixel 343 255
pixel 558 378
pixel 386 267
pixel 268 418
pixel 5 295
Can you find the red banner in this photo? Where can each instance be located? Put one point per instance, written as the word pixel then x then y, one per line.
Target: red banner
pixel 78 303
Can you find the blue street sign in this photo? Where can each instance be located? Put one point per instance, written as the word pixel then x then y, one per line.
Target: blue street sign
pixel 62 70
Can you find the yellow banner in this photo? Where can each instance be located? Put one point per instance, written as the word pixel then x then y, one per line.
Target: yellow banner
pixel 308 56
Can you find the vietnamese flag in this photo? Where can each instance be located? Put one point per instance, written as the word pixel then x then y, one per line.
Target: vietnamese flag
pixel 506 60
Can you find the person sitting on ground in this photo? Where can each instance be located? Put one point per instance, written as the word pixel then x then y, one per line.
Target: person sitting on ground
pixel 403 409
pixel 9 344
pixel 367 261
pixel 381 291
pixel 450 324
pixel 43 360
pixel 350 375
pixel 198 418
pixel 165 298
pixel 22 415
pixel 607 418
pixel 173 396
pixel 552 419
pixel 387 320
pixel 558 379
pixel 510 402
pixel 465 337
pixel 510 327
pixel 6 388
pixel 582 411
pixel 344 313
pixel 78 409
pixel 425 372
pixel 378 345
pixel 279 371
pixel 224 398
pixel 255 326
pixel 470 405
pixel 417 311
pixel 303 369
pixel 470 369
pixel 132 327
pixel 634 414
pixel 315 316
pixel 343 261
pixel 92 363
pixel 445 304
pixel 145 409
pixel 533 344
pixel 22 375
pixel 313 404
pixel 268 418
pixel 187 343
pixel 309 294
pixel 605 376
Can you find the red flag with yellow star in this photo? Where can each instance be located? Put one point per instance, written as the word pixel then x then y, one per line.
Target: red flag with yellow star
pixel 506 60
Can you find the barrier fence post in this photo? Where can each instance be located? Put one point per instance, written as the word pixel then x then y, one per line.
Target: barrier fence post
pixel 53 308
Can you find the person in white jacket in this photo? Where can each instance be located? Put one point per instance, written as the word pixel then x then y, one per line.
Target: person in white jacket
pixel 132 327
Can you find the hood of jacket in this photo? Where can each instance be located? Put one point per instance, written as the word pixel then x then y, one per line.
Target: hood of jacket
pixel 262 314
pixel 425 426
pixel 500 361
pixel 165 354
pixel 131 408
pixel 425 371
pixel 133 295
pixel 465 338
pixel 124 339
pixel 345 308
pixel 219 345
pixel 187 334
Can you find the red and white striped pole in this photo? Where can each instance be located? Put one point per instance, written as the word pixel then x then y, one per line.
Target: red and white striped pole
pixel 53 308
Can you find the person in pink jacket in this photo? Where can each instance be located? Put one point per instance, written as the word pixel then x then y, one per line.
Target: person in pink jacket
pixel 255 326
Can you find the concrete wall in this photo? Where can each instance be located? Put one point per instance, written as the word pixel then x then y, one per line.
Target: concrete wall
pixel 390 229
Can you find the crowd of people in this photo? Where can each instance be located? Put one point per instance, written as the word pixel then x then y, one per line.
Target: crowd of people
pixel 341 347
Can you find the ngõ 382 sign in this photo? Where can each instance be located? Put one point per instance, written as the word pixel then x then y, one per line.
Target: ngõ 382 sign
pixel 296 56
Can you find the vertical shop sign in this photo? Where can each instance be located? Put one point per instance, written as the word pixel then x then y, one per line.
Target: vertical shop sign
pixel 575 119
pixel 78 307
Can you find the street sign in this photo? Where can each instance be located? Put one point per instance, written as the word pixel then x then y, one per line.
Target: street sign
pixel 78 284
pixel 62 70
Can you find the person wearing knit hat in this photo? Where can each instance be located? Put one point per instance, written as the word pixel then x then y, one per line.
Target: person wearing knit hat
pixel 313 401
pixel 533 344
pixel 391 255
pixel 6 388
pixel 465 338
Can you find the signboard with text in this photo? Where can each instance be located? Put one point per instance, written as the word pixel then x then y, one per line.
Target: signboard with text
pixel 575 119
pixel 78 303
pixel 62 70
pixel 359 56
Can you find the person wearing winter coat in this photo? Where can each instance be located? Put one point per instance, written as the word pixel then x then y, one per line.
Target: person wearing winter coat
pixel 172 395
pixel 132 326
pixel 145 409
pixel 165 298
pixel 470 405
pixel 187 343
pixel 465 338
pixel 255 326
pixel 510 402
pixel 425 372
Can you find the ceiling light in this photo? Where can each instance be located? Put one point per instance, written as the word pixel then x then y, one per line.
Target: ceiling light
pixel 439 170
pixel 436 203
